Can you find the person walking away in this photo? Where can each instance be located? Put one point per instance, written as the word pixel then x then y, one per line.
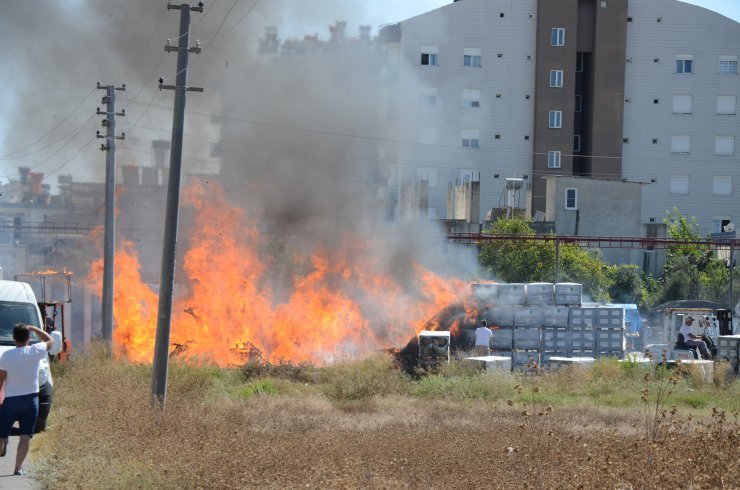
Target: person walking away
pixel 483 336
pixel 690 339
pixel 19 377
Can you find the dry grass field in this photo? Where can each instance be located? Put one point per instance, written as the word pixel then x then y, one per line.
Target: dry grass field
pixel 364 424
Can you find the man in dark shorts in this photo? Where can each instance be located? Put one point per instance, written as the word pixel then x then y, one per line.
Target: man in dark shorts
pixel 19 375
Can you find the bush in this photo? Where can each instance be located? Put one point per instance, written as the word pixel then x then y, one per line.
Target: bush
pixel 359 380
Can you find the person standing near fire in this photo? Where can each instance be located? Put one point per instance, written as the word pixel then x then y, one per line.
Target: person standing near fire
pixel 483 336
pixel 19 376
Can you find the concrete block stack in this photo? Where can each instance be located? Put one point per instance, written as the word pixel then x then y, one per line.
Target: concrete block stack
pixel 728 349
pixel 537 321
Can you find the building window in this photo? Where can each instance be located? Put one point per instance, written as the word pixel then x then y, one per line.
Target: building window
pixel 722 185
pixel 576 143
pixel 681 143
pixel 579 103
pixel 726 104
pixel 558 36
pixel 470 138
pixel 684 64
pixel 556 119
pixel 728 65
pixel 472 57
pixel 579 62
pixel 682 104
pixel 719 223
pixel 724 145
pixel 679 184
pixel 571 199
pixel 471 98
pixel 430 56
pixel 553 159
pixel 556 78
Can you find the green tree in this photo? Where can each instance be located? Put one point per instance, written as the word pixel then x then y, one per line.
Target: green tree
pixel 626 284
pixel 534 260
pixel 679 227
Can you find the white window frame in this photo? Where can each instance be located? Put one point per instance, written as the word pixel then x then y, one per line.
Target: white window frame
pixel 685 63
pixel 554 158
pixel 681 144
pixel 432 54
pixel 728 65
pixel 679 184
pixel 717 226
pixel 557 36
pixel 722 185
pixel 555 119
pixel 470 138
pixel 556 78
pixel 574 198
pixel 727 104
pixel 472 57
pixel 471 98
pixel 576 143
pixel 683 104
pixel 724 145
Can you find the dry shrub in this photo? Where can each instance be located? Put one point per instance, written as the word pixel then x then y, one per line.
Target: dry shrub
pixel 363 379
pixel 723 374
pixel 104 433
pixel 607 368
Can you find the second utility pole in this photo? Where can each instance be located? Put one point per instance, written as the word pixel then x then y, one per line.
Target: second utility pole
pixel 169 248
pixel 109 245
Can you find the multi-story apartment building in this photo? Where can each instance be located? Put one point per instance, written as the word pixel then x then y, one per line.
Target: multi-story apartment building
pixel 637 90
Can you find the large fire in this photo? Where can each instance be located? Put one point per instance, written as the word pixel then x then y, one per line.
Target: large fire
pixel 339 304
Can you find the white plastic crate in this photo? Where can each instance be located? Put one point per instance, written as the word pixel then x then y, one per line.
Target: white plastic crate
pixel 610 317
pixel 728 348
pixel 568 293
pixel 527 338
pixel 512 294
pixel 524 359
pixel 555 316
pixel 502 316
pixel 502 339
pixel 527 316
pixel 582 340
pixel 582 318
pixel 541 293
pixel 555 340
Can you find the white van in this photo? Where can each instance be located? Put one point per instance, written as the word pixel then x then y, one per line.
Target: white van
pixel 18 305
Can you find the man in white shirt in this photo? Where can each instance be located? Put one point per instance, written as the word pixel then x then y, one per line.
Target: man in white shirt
pixel 19 375
pixel 483 336
pixel 690 339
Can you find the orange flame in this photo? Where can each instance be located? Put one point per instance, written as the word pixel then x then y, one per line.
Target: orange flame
pixel 341 304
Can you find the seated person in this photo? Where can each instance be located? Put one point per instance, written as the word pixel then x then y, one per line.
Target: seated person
pixel 688 340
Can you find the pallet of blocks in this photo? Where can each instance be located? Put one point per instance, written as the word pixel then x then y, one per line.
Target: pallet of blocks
pixel 728 349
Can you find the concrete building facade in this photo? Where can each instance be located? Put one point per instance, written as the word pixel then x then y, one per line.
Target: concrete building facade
pixel 643 91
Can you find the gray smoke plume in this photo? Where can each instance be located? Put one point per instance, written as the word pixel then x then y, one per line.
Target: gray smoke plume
pixel 302 140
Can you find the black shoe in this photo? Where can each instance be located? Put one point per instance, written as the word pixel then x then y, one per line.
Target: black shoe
pixel 19 472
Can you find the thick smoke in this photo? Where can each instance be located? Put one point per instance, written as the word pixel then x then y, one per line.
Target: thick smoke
pixel 302 139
